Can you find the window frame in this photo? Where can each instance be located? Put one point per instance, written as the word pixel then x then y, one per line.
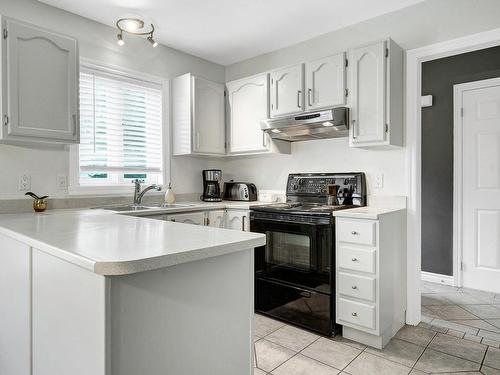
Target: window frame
pixel 74 187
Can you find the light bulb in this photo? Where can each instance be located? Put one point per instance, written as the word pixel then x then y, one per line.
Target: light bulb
pixel 120 41
pixel 132 24
pixel 153 42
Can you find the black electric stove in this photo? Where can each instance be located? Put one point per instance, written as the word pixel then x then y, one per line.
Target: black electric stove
pixel 294 271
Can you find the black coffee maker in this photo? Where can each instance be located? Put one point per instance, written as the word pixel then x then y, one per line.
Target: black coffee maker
pixel 211 185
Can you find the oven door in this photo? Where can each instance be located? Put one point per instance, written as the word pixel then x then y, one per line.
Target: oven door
pixel 293 271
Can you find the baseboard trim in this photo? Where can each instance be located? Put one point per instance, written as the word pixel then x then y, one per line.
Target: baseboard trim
pixel 437 278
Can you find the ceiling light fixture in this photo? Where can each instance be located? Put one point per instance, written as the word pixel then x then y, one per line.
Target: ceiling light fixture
pixel 134 26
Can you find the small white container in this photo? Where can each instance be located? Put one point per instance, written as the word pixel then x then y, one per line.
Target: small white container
pixel 169 195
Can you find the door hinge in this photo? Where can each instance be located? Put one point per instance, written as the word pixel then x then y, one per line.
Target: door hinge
pixel 387 52
pixel 346 92
pixel 387 128
pixel 462 112
pixel 346 63
pixel 5 120
pixel 5 33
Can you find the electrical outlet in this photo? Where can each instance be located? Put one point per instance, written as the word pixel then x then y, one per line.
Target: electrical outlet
pixel 379 181
pixel 62 182
pixel 24 182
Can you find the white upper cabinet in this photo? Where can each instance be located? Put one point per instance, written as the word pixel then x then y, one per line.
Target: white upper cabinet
pixel 325 82
pixel 287 90
pixel 247 106
pixel 198 116
pixel 39 85
pixel 376 82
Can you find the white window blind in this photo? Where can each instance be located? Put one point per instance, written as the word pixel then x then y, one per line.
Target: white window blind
pixel 120 128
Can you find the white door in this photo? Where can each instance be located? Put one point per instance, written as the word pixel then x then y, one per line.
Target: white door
pixel 325 82
pixel 479 137
pixel 238 219
pixel 287 90
pixel 248 105
pixel 41 83
pixel 208 122
pixel 368 93
pixel 196 218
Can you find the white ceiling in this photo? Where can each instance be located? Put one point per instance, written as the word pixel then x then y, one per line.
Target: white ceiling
pixel 228 31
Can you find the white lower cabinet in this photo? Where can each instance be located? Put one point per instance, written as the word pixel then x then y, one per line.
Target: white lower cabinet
pixel 238 219
pixel 216 218
pixel 196 218
pixel 370 277
pixel 15 306
pixel 229 218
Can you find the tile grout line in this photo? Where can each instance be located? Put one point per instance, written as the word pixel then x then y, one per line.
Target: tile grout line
pixel 296 353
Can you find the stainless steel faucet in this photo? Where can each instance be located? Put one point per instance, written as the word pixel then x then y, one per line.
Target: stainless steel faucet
pixel 138 194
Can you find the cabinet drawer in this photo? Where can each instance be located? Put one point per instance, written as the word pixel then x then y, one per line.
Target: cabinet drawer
pixel 357 259
pixel 356 313
pixel 357 286
pixel 357 231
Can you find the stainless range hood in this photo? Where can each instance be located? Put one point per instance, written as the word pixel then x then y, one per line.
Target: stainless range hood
pixel 331 123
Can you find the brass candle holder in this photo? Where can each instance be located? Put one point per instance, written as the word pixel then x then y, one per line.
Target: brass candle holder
pixel 39 203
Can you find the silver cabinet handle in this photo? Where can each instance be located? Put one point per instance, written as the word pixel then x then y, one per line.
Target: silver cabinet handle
pixel 354 233
pixel 353 124
pixel 354 259
pixel 309 92
pixel 354 287
pixel 354 314
pixel 298 98
pixel 243 223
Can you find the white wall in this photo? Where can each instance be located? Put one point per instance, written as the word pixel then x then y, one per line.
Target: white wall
pixel 97 42
pixel 422 24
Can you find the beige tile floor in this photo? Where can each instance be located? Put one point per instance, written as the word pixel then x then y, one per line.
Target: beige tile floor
pixel 459 334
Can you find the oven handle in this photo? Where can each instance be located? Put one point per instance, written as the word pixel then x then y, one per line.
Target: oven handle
pixel 269 220
pixel 305 294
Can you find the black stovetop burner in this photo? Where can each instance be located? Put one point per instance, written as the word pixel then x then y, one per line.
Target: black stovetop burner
pixel 302 208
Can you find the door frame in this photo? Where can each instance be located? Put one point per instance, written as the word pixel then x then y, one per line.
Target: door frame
pixel 414 60
pixel 458 91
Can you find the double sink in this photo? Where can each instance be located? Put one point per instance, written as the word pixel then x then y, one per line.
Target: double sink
pixel 147 207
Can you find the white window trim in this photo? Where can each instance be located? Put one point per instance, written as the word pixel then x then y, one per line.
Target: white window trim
pixel 74 187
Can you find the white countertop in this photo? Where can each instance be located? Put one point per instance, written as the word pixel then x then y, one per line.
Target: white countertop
pixel 110 244
pixel 367 212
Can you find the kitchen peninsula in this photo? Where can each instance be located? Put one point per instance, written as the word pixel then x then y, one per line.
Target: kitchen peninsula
pixel 93 292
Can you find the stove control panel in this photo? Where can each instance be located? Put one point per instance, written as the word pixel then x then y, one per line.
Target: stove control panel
pixel 316 186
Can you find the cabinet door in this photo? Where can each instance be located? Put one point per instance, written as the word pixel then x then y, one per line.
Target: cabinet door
pixel 15 307
pixel 41 84
pixel 325 82
pixel 208 117
pixel 368 88
pixel 196 218
pixel 238 219
pixel 287 90
pixel 216 218
pixel 248 104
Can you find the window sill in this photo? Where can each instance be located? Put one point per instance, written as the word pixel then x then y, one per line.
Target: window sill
pixel 111 190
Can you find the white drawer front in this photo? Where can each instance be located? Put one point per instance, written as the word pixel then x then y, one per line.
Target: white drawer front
pixel 357 231
pixel 357 286
pixel 357 259
pixel 356 313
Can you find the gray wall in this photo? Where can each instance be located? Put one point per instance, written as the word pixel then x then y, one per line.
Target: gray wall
pixel 438 78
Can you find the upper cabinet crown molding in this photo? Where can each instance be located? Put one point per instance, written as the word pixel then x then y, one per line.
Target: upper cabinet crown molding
pixel 247 105
pixel 198 116
pixel 40 74
pixel 376 95
pixel 326 82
